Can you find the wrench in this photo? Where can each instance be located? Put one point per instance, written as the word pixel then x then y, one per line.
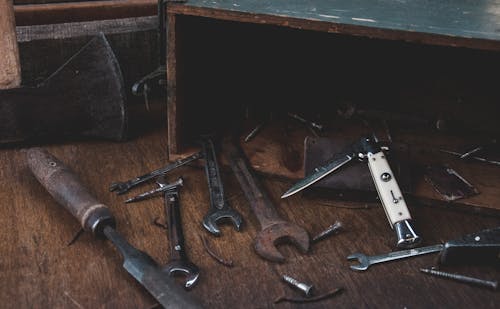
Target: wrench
pixel 274 229
pixel 179 262
pixel 219 207
pixel 122 187
pixel 366 261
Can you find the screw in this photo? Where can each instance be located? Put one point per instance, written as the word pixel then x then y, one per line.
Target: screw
pixel 305 288
pixel 329 231
pixel 461 278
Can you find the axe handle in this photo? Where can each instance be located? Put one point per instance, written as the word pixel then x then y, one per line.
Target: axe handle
pixel 67 189
pixel 10 67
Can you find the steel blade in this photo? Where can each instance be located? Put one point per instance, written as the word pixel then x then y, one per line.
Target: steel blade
pixel 147 272
pixel 319 173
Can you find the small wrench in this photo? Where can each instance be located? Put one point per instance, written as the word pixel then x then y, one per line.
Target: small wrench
pixel 273 228
pixel 179 262
pixel 122 187
pixel 219 207
pixel 366 261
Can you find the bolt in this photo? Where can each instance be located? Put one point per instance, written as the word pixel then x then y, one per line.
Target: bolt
pixel 305 288
pixel 461 278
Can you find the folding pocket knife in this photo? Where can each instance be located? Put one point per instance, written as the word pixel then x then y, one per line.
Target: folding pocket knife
pixel 387 187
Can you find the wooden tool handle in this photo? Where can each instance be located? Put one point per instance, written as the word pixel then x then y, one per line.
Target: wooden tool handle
pixel 10 67
pixel 67 190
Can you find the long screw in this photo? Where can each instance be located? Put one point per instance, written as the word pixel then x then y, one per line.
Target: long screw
pixel 332 229
pixel 305 288
pixel 461 278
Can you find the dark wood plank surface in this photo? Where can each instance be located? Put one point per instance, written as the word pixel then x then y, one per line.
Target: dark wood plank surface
pixel 39 270
pixel 454 23
pixel 74 11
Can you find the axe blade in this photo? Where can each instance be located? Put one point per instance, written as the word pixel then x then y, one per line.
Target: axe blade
pixel 84 97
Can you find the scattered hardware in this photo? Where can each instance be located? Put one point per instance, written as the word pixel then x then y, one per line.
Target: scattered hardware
pixel 477 158
pixel 307 122
pixel 222 261
pixel 307 289
pixel 122 187
pixel 310 299
pixel 447 182
pixel 254 132
pixel 332 229
pixel 95 217
pixel 219 207
pixel 365 261
pixel 273 227
pixel 151 193
pixel 461 278
pixel 385 182
pixel 179 261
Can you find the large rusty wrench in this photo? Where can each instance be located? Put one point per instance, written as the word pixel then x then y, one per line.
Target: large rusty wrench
pixel 274 229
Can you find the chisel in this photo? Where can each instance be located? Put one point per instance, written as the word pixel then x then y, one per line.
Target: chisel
pixel 95 217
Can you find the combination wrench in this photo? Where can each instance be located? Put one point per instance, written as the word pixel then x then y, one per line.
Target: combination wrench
pixel 123 186
pixel 179 261
pixel 219 207
pixel 365 261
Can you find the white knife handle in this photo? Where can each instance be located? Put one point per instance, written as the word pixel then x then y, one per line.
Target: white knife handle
pixel 388 189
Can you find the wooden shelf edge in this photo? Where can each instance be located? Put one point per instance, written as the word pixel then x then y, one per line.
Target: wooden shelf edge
pixel 55 13
pixel 315 25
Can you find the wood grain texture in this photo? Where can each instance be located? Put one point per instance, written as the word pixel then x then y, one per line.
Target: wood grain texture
pixel 38 269
pixel 452 23
pixel 10 66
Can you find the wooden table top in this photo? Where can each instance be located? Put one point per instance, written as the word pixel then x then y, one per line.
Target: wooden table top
pixel 39 270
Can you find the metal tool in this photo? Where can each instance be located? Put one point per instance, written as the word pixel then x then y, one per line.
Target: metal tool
pixel 122 187
pixel 67 190
pixel 151 193
pixel 332 229
pixel 387 187
pixel 84 97
pixel 307 122
pixel 473 157
pixel 307 289
pixel 478 248
pixel 179 262
pixel 158 77
pixel 461 278
pixel 273 227
pixel 365 261
pixel 219 207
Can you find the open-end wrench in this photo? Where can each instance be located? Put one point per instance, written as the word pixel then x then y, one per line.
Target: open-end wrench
pixel 179 262
pixel 274 228
pixel 365 261
pixel 122 187
pixel 219 207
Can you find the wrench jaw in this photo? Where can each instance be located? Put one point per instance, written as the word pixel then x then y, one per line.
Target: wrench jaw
pixel 189 270
pixel 362 259
pixel 211 219
pixel 282 232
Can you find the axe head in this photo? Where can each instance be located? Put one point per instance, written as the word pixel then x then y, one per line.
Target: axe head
pixel 84 97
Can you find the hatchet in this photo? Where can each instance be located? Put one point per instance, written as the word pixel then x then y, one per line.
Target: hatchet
pixel 85 97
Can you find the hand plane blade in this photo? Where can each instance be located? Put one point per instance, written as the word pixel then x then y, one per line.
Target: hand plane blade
pixel 320 172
